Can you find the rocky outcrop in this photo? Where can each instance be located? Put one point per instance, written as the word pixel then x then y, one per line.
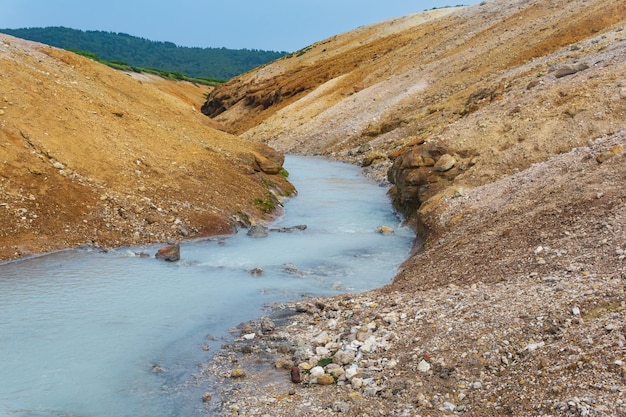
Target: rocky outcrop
pixel 421 172
pixel 269 161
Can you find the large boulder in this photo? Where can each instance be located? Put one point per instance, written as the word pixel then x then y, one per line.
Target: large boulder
pixel 170 253
pixel 258 231
pixel 268 160
pixel 420 172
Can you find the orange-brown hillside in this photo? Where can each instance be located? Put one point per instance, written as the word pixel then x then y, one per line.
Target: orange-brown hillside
pixel 94 156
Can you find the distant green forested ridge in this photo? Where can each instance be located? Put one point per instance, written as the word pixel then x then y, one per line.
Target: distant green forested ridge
pixel 208 63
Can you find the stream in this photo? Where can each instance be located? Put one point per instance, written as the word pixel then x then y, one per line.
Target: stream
pixel 83 331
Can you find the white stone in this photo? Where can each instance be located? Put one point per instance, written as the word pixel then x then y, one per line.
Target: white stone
pixel 317 371
pixel 449 406
pixel 369 345
pixel 356 382
pixel 352 372
pixel 423 366
pixel 322 351
pixel 534 346
pixel 249 336
pixel 344 357
pixel 322 339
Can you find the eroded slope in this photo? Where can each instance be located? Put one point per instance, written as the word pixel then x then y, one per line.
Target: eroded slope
pixel 94 156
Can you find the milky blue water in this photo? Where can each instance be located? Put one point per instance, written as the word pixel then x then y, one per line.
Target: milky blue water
pixel 80 331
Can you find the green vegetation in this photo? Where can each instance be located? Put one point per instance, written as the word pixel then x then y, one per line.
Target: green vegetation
pixel 325 362
pixel 267 205
pixel 171 75
pixel 127 52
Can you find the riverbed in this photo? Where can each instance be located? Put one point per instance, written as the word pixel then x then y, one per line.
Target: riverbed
pixel 93 333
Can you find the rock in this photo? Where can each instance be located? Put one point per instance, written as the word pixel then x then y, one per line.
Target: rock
pixel 325 380
pixel 291 268
pixel 268 160
pixel 371 157
pixel 384 230
pixel 534 346
pixel 366 147
pixel 369 345
pixel 316 372
pixel 413 174
pixel 257 231
pixel 267 325
pixel 237 373
pixel 445 163
pixel 288 229
pixel 255 272
pixel 284 363
pixel 344 357
pixel 570 70
pixel 341 407
pixel 423 366
pixel 335 372
pixel 170 253
pixel 356 383
pixel 206 397
pixel 295 375
pixel 616 150
pixel 352 372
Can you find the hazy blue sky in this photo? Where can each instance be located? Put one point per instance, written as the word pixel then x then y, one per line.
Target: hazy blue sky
pixel 280 25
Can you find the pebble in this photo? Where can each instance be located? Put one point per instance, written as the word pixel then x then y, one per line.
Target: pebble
pixel 316 372
pixel 295 375
pixel 423 366
pixel 325 379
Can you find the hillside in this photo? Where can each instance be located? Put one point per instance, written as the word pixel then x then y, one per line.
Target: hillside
pixel 502 129
pixel 208 63
pixel 94 156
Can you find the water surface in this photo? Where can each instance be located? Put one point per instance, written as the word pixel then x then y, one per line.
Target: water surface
pixel 82 331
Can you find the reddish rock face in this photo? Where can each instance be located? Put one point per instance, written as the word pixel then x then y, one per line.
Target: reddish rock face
pixel 170 253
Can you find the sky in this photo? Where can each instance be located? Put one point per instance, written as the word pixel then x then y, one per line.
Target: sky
pixel 276 25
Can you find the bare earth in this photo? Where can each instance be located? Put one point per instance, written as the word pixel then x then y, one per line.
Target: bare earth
pixel 502 128
pixel 93 156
